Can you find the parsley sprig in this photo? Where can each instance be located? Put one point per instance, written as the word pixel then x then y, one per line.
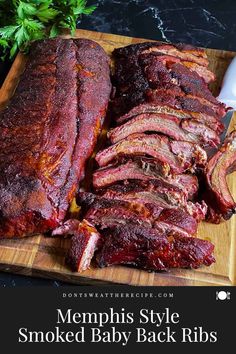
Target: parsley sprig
pixel 24 21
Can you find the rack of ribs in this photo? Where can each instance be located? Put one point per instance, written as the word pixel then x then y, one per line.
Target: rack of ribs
pixel 49 131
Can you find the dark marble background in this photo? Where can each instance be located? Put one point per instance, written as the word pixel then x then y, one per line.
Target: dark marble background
pixel 206 23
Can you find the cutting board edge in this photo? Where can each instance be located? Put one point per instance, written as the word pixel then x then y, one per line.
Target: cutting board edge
pixel 21 269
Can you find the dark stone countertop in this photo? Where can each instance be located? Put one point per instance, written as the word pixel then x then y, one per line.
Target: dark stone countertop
pixel 205 23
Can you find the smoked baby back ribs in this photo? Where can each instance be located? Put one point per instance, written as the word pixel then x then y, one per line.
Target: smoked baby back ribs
pixel 48 132
pixel 146 203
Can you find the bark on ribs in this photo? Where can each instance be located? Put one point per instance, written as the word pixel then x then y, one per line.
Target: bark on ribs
pixel 186 103
pixel 155 73
pixel 152 249
pixel 191 83
pixel 172 153
pixel 182 51
pixel 178 80
pixel 167 60
pixel 42 159
pixel 217 193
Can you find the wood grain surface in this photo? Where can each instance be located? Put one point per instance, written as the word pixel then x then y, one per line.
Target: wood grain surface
pixel 44 256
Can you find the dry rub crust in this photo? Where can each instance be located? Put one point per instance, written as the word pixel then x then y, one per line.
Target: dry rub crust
pixel 143 68
pixel 48 131
pixel 153 249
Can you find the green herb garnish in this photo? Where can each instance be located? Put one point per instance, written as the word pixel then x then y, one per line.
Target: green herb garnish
pixel 25 21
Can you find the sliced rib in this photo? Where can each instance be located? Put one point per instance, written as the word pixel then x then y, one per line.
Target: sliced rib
pixel 153 249
pixel 175 79
pixel 84 242
pixel 202 71
pixel 141 144
pixel 188 55
pixel 183 102
pixel 159 123
pixel 138 168
pixel 217 194
pixel 115 208
pixel 155 196
pixel 159 108
pixel 178 218
pixel 191 83
pixel 182 51
pixel 114 214
pixel 105 213
pixel 143 169
pixel 159 148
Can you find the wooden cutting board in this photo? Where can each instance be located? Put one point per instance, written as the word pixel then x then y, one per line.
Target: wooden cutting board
pixel 44 257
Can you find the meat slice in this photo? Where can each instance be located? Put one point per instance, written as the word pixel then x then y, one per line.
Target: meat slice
pixel 144 169
pixel 113 209
pixel 148 193
pixel 161 190
pixel 177 80
pixel 182 51
pixel 158 123
pixel 188 55
pixel 168 125
pixel 159 148
pixel 156 197
pixel 141 144
pixel 217 193
pixel 138 168
pixel 137 71
pixel 48 132
pixel 84 242
pixel 163 74
pixel 125 245
pixel 202 71
pixel 160 108
pixel 105 213
pixel 152 249
pixel 184 102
